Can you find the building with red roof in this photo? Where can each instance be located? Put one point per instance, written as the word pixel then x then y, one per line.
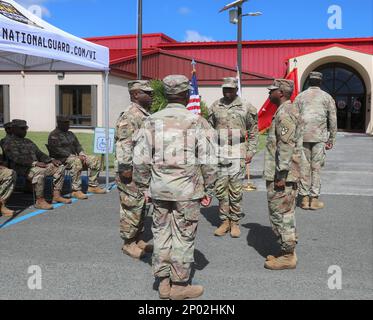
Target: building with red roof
pixel 347 65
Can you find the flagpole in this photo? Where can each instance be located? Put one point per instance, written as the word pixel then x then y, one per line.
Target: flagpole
pixel 139 40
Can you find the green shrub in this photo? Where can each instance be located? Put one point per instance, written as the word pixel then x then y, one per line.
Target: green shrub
pixel 160 100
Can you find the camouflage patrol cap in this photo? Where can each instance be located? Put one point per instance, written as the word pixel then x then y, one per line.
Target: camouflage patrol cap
pixel 8 125
pixel 143 85
pixel 17 123
pixel 175 83
pixel 316 75
pixel 230 83
pixel 283 84
pixel 63 118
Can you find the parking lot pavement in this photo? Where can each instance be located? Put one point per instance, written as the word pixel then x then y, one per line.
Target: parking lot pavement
pixel 77 247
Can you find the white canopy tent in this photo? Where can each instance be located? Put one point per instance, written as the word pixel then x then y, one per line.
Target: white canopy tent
pixel 27 43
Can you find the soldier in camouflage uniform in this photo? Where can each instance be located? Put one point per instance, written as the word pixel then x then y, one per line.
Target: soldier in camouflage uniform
pixel 132 199
pixel 8 130
pixel 7 182
pixel 27 160
pixel 64 146
pixel 319 115
pixel 233 119
pixel 282 171
pixel 177 155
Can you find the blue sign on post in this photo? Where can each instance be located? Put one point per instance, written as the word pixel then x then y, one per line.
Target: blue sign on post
pixel 99 142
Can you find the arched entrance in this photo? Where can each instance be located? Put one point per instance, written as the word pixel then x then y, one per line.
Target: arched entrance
pixel 347 88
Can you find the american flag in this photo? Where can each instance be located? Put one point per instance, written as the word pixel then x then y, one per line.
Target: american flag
pixel 194 104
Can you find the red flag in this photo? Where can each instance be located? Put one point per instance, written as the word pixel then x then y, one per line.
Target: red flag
pixel 268 109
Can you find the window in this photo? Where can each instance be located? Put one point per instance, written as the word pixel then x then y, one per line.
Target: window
pixel 4 104
pixel 347 88
pixel 79 103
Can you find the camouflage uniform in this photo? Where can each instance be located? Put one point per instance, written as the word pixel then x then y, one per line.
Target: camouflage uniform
pixel 282 160
pixel 7 182
pixel 319 115
pixel 241 117
pixel 65 146
pixel 23 155
pixel 131 197
pixel 166 153
pixel 7 137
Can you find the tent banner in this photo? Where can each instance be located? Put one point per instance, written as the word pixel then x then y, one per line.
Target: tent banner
pixel 22 32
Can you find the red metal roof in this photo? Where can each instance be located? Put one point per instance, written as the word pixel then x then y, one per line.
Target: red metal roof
pixel 265 57
pixel 159 63
pixel 130 41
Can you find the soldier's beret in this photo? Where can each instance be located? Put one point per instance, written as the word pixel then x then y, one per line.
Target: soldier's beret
pixel 316 75
pixel 230 83
pixel 17 123
pixel 174 84
pixel 63 118
pixel 143 85
pixel 282 84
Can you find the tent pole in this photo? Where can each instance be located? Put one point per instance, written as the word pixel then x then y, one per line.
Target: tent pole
pixel 107 127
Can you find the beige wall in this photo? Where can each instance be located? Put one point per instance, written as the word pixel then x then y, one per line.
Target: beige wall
pixel 255 95
pixel 33 97
pixel 119 97
pixel 361 62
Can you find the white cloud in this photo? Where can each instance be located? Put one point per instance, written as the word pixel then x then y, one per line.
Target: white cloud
pixel 195 36
pixel 28 3
pixel 184 11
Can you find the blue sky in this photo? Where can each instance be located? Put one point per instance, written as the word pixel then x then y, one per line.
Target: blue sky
pixel 199 20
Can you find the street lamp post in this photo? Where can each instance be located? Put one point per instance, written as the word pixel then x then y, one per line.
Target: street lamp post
pixel 139 39
pixel 236 18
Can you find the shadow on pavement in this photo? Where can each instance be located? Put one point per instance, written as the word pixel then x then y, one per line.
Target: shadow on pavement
pixel 262 239
pixel 212 215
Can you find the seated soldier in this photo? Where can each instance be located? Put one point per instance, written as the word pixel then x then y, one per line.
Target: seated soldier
pixel 64 146
pixel 7 182
pixel 27 160
pixel 8 130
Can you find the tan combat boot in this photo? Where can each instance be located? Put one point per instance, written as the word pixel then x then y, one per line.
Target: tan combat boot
pixel 164 288
pixel 131 249
pixel 79 195
pixel 271 257
pixel 5 212
pixel 42 204
pixel 147 247
pixel 316 204
pixel 185 291
pixel 96 190
pixel 235 229
pixel 223 229
pixel 58 198
pixel 284 261
pixel 305 204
